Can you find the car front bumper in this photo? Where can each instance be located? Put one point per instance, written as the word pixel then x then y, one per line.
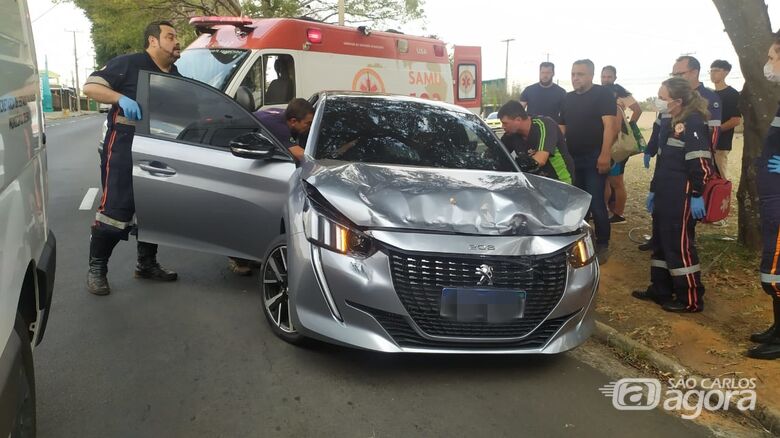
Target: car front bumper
pixel 354 302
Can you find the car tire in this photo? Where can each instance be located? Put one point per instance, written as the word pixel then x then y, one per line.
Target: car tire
pixel 24 424
pixel 273 292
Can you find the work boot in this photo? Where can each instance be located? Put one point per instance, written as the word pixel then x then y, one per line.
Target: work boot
pixel 101 246
pixel 770 343
pixel 147 266
pixel 763 337
pixel 97 283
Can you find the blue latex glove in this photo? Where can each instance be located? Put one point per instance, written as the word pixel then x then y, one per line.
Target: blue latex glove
pixel 774 164
pixel 130 108
pixel 649 203
pixel 647 160
pixel 697 207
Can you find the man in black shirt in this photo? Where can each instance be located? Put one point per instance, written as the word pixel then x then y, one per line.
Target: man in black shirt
pixel 731 117
pixel 538 137
pixel 116 84
pixel 544 98
pixel 590 125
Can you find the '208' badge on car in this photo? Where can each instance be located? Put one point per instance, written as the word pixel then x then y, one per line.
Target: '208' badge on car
pixel 486 271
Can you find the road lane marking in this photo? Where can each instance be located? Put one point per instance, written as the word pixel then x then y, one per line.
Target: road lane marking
pixel 89 199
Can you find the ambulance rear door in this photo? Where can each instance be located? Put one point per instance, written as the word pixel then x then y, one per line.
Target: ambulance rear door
pixel 467 77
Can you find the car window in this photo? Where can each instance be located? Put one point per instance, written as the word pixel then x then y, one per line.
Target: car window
pixel 492 116
pixel 184 111
pixel 395 131
pixel 271 80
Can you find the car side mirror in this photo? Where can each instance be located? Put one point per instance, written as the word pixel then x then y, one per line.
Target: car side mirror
pixel 254 145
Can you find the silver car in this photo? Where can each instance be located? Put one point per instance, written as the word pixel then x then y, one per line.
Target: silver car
pixel 406 228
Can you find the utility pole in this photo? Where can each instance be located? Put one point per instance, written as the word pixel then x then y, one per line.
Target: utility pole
pixel 506 66
pixel 341 12
pixel 76 61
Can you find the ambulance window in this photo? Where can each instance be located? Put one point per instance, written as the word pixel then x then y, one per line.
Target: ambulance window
pixel 255 82
pixel 279 79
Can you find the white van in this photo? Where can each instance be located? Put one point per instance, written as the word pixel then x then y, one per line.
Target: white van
pixel 27 246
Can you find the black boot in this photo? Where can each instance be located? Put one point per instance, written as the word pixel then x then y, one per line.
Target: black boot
pixel 764 336
pixel 770 347
pixel 97 283
pixel 147 266
pixel 100 249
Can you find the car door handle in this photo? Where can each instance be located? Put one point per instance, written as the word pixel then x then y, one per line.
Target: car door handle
pixel 167 171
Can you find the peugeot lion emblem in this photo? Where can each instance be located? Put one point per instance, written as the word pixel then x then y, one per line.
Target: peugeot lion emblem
pixel 486 271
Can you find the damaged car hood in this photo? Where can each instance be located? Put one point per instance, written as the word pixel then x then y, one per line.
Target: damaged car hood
pixel 448 200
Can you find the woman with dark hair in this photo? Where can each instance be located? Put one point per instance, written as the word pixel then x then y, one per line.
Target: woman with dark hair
pixel 675 200
pixel 768 173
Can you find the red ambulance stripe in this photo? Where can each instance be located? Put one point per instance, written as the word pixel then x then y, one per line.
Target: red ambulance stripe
pixel 108 163
pixel 774 261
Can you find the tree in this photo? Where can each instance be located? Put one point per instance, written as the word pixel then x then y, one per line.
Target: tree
pixel 117 25
pixel 750 32
pixel 371 12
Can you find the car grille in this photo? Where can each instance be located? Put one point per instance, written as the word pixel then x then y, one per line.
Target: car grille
pixel 419 278
pixel 404 335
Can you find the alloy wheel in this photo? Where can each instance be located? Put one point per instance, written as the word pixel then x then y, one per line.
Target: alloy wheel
pixel 275 290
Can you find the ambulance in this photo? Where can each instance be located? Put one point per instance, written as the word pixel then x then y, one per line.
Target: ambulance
pixel 277 59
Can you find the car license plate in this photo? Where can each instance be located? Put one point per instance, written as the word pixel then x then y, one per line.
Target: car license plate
pixel 480 304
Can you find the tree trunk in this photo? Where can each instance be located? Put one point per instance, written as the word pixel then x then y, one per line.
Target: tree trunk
pixel 747 25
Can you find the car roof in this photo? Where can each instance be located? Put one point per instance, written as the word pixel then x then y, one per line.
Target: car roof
pixel 393 97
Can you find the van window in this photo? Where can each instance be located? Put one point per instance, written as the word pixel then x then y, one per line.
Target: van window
pixel 271 80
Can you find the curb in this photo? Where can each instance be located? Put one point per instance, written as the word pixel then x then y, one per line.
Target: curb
pixel 767 416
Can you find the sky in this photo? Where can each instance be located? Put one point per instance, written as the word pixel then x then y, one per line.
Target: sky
pixel 641 38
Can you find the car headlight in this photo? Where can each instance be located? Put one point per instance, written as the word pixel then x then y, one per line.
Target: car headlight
pixel 326 227
pixel 582 253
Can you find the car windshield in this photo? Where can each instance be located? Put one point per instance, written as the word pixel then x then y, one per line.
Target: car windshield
pixel 211 66
pixel 407 132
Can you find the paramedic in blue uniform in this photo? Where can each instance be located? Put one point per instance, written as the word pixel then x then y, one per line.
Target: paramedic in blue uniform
pixel 116 84
pixel 675 199
pixel 768 175
pixel 688 68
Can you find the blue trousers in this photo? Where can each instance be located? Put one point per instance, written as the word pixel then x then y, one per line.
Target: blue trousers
pixel 588 178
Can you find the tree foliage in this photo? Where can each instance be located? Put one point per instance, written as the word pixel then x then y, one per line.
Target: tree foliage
pixel 117 25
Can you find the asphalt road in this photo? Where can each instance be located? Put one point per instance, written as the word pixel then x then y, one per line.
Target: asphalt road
pixel 196 358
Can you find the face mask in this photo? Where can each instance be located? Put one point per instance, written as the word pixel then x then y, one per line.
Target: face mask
pixel 770 74
pixel 661 105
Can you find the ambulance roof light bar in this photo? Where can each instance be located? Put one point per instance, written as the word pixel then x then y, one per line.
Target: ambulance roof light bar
pixel 314 35
pixel 206 24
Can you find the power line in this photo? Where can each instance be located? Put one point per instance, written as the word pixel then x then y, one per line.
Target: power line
pixel 47 11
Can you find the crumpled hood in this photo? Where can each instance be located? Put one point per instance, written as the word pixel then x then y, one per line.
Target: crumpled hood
pixel 448 200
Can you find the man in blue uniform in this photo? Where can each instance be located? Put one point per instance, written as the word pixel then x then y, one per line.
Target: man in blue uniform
pixel 116 84
pixel 768 173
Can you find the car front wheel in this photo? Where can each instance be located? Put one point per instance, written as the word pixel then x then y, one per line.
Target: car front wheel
pixel 274 288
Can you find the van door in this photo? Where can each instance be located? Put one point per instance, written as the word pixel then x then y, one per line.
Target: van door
pixel 467 77
pixel 190 190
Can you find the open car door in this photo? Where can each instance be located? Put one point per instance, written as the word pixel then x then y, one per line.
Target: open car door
pixel 191 191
